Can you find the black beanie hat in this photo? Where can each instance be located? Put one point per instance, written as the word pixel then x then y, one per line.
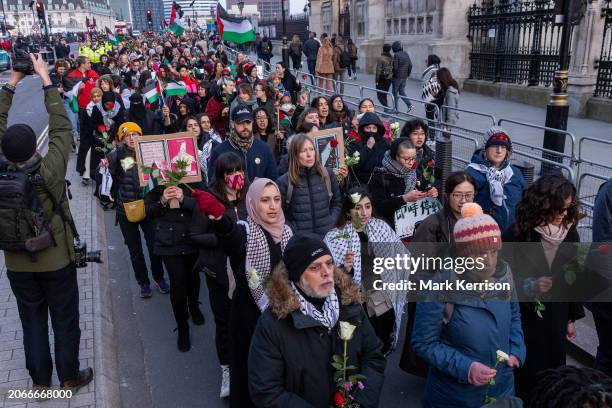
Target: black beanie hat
pixel 301 250
pixel 108 96
pixel 19 143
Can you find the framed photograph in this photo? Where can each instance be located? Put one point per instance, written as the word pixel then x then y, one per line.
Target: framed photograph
pixel 164 151
pixel 329 144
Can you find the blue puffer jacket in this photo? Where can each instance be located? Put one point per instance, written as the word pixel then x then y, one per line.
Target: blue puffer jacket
pixel 311 208
pixel 513 190
pixel 476 330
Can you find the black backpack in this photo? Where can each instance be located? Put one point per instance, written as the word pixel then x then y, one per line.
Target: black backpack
pixel 345 58
pixel 23 226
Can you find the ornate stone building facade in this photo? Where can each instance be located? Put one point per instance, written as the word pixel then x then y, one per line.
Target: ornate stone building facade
pixel 62 15
pixel 422 26
pixel 503 37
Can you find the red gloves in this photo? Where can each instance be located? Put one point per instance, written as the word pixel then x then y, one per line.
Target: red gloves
pixel 208 203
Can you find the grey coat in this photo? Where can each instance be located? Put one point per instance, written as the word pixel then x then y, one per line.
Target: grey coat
pixel 311 208
pixel 451 99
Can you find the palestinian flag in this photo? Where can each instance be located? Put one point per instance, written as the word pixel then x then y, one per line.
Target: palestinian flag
pixel 284 121
pixel 151 93
pixel 177 26
pixel 111 37
pixel 232 29
pixel 176 88
pixel 72 96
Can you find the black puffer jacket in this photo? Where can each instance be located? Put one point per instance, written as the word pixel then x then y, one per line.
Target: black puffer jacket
pixel 311 208
pixel 126 186
pixel 173 225
pixel 402 66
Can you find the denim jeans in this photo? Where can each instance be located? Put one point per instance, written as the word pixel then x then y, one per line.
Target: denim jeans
pixel 312 64
pixel 399 87
pixel 39 294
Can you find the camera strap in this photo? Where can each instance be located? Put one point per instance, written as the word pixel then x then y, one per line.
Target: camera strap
pixel 37 180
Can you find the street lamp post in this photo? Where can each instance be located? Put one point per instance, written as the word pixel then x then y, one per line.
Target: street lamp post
pixel 240 7
pixel 557 110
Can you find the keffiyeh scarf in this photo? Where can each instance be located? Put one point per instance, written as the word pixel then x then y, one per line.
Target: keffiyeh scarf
pixel 397 170
pixel 330 313
pixel 257 266
pixel 239 143
pixel 108 116
pixel 384 244
pixel 497 179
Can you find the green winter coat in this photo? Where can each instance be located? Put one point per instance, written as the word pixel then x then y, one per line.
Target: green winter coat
pixel 53 171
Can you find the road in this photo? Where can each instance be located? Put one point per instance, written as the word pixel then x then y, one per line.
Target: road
pixel 154 373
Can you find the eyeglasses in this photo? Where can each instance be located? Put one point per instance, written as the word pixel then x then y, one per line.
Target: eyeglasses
pixel 464 196
pixel 570 207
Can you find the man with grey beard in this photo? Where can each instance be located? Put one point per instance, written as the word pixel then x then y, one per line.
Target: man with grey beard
pixel 314 308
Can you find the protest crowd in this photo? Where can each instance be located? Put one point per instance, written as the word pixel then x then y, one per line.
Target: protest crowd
pixel 281 199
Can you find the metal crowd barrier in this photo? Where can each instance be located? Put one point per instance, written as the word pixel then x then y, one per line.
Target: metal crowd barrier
pixel 586 173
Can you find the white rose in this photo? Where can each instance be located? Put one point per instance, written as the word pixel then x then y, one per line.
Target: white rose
pixel 253 279
pixel 346 331
pixel 186 158
pixel 501 356
pixel 355 198
pixel 127 163
pixel 395 125
pixel 356 154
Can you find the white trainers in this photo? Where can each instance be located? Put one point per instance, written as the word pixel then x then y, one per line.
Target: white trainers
pixel 225 382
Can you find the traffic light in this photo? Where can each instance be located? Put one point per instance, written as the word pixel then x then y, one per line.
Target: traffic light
pixel 40 10
pixel 149 16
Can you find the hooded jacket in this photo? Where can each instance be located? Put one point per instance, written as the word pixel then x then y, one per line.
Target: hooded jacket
pixel 369 158
pixel 402 66
pixel 126 186
pixel 513 190
pixel 291 353
pixel 311 208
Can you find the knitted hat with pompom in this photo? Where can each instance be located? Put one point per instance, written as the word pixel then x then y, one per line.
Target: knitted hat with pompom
pixel 476 233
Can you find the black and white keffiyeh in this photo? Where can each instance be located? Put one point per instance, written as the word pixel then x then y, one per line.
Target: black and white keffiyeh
pixel 394 168
pixel 330 313
pixel 384 243
pixel 257 266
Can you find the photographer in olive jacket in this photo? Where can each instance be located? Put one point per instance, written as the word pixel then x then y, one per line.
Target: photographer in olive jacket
pixel 40 262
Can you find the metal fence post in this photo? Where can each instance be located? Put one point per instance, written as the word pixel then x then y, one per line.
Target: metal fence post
pixel 444 162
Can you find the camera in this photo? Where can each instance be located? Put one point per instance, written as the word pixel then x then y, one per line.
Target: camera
pixel 82 257
pixel 21 59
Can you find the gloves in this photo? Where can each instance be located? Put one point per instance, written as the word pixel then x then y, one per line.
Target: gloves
pixel 208 203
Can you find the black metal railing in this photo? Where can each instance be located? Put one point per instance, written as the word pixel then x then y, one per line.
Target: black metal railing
pixel 514 42
pixel 297 24
pixel 603 87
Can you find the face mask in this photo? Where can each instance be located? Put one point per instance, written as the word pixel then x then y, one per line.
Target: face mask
pixel 235 181
pixel 307 126
pixel 367 135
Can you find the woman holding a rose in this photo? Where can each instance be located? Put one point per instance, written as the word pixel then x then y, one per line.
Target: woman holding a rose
pixel 471 338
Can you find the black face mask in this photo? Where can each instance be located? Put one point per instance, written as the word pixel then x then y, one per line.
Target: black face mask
pixel 367 135
pixel 307 126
